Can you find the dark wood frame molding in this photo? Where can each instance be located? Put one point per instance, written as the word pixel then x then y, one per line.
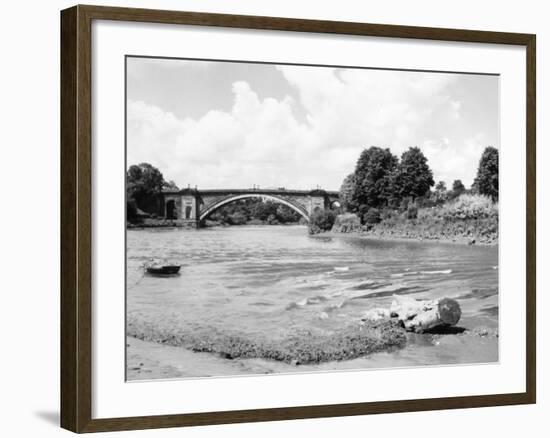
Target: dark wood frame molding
pixel 76 222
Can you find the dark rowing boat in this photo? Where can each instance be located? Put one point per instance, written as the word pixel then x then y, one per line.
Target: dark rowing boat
pixel 163 270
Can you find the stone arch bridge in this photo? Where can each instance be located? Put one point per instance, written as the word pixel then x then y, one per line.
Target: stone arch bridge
pixel 191 207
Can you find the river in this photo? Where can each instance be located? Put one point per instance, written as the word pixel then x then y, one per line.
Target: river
pixel 267 281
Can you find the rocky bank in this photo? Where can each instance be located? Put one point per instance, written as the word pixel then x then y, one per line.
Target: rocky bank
pixel 468 231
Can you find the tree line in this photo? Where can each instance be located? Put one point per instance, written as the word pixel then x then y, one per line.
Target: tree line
pixel 255 211
pixel 382 180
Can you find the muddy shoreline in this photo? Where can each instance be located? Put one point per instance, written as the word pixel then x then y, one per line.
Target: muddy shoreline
pixel 147 360
pixel 457 240
pixel 154 354
pixel 387 235
pixel 175 223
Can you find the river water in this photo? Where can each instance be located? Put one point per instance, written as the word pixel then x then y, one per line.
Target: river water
pixel 267 281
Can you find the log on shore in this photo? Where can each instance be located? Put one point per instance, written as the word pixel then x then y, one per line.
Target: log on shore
pixel 419 316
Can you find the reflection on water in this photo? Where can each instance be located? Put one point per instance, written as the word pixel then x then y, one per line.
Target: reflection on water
pixel 268 280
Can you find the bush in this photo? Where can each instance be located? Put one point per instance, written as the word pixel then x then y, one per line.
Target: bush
pixel 388 213
pixel 372 216
pixel 404 204
pixel 321 220
pixel 412 211
pixel 425 202
pixel 470 207
pixel 237 218
pixel 218 216
pixel 272 219
pixel 285 214
pixel 346 223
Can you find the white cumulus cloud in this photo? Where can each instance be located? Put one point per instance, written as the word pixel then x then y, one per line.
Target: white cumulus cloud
pixel 263 141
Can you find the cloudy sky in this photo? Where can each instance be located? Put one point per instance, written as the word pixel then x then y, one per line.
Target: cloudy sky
pixel 224 124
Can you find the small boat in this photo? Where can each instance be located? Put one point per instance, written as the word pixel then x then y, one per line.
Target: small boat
pixel 163 270
pixel 159 268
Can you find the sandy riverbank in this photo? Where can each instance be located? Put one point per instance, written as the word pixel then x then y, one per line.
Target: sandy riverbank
pixel 150 360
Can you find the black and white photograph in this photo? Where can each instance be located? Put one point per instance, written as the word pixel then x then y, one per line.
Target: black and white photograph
pixel 286 218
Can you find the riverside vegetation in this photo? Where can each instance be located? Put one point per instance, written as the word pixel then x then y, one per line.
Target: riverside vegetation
pixel 389 198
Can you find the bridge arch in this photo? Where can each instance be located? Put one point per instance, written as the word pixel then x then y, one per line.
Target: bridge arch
pixel 232 198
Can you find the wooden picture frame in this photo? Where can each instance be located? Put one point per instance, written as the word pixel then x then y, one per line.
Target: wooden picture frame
pixel 76 217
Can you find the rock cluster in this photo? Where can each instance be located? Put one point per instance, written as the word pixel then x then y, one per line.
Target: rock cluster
pixel 346 223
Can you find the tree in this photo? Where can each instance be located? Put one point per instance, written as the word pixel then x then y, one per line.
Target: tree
pixel 143 183
pixel 244 210
pixel 440 192
pixel 486 181
pixel 346 191
pixel 458 188
pixel 286 214
pixel 131 210
pixel 171 185
pixel 441 187
pixel 413 176
pixel 321 220
pixel 372 179
pixel 372 216
pixel 263 209
pixel 237 218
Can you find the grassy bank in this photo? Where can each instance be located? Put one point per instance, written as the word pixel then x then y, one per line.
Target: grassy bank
pixel 469 219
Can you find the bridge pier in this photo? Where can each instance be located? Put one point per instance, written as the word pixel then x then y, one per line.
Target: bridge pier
pixel 190 210
pixel 316 203
pixel 182 207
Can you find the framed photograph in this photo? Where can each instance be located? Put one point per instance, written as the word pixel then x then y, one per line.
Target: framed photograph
pixel 271 218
